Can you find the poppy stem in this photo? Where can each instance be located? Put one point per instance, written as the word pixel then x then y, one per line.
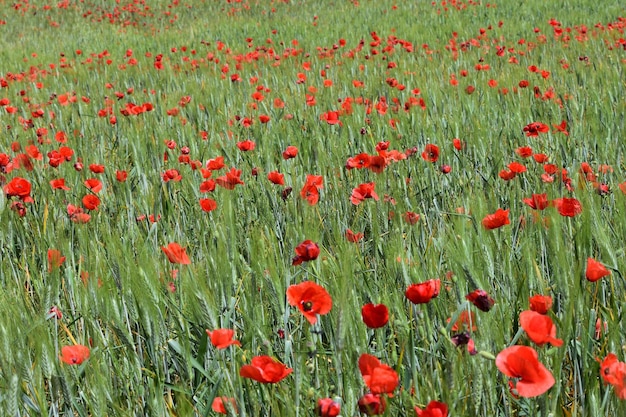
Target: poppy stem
pixel 69 334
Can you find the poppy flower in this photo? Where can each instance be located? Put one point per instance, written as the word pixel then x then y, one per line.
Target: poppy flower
pixel 377 164
pixel 171 175
pixel 535 128
pixel 480 299
pixel 362 192
pixel 327 407
pixel 215 164
pixel 539 327
pixel 91 202
pixel 375 316
pixel 19 187
pixel 276 177
pixel 55 259
pixel 96 168
pixel 595 270
pixel 94 184
pixel 431 153
pixel 433 409
pixel 378 377
pixel 221 405
pixel 230 180
pixel 507 174
pixel 207 204
pixel 290 152
pixel 354 237
pixel 359 161
pixel 540 303
pixel 524 151
pixel 310 190
pixel 410 217
pixel 497 219
pixel 458 145
pixel 613 372
pixel 246 145
pixel 59 184
pixel 222 338
pixel 265 369
pixel 372 404
pixel 176 254
pixel 537 201
pixel 121 176
pixel 530 377
pixel 310 298
pixel 568 207
pixel 305 252
pixel 423 292
pixel 516 167
pixel 74 355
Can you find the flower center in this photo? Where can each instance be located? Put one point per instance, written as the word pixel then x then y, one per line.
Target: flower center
pixel 307 305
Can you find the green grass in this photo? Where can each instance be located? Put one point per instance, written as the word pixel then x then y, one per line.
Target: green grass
pixel 149 350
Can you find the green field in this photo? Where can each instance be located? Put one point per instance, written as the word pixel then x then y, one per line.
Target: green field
pixel 272 167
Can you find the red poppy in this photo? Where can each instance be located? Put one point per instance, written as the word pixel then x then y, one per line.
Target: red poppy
pixel 540 303
pixel 290 152
pixel 372 404
pixel 176 254
pixel 265 369
pixel 74 355
pixel 458 145
pixel 94 185
pixel 230 180
pixel 91 202
pixel 246 145
pixel 539 327
pixel 613 372
pixel 431 153
pixel 327 407
pixel 331 117
pixel 121 176
pixel 19 187
pixel 377 164
pixel 171 175
pixel 568 207
pixel 207 204
pixel 537 201
pixel 96 168
pixel 480 299
pixel 215 164
pixel 221 405
pixel 207 186
pixel 530 377
pixel 378 377
pixel 310 190
pixel 59 184
pixel 362 192
pixel 497 219
pixel 305 252
pixel 222 338
pixel 411 217
pixel 359 161
pixel 524 151
pixel 517 168
pixel 276 177
pixel 55 259
pixel 507 174
pixel 375 316
pixel 433 409
pixel 423 292
pixel 561 128
pixel 535 128
pixel 354 237
pixel 310 298
pixel 595 270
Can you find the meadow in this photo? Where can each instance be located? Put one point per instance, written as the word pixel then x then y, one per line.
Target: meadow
pixel 312 208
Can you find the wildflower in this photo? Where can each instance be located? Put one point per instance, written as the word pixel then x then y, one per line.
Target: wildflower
pixel 497 219
pixel 539 327
pixel 378 377
pixel 176 254
pixel 375 316
pixel 540 303
pixel 265 369
pixel 310 298
pixel 222 338
pixel 433 409
pixel 74 355
pixel 327 407
pixel 480 299
pixel 568 207
pixel 595 270
pixel 530 377
pixel 362 192
pixel 305 252
pixel 431 153
pixel 423 292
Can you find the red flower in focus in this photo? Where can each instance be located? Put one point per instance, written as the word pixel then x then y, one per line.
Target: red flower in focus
pixel 537 201
pixel 517 168
pixel 91 202
pixel 59 184
pixel 595 270
pixel 327 407
pixel 372 405
pixel 480 299
pixel 568 207
pixel 423 292
pixel 290 152
pixel 55 260
pixel 74 355
pixel 215 164
pixel 96 168
pixel 497 219
pixel 305 252
pixel 359 161
pixel 19 187
pixel 354 237
pixel 540 303
pixel 310 298
pixel 265 369
pixel 431 153
pixel 539 328
pixel 378 377
pixel 231 179
pixel 433 409
pixel 524 151
pixel 221 405
pixel 375 316
pixel 535 128
pixel 94 185
pixel 176 254
pixel 171 175
pixel 530 377
pixel 331 117
pixel 613 372
pixel 222 338
pixel 311 188
pixel 362 192
pixel 276 177
pixel 246 145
